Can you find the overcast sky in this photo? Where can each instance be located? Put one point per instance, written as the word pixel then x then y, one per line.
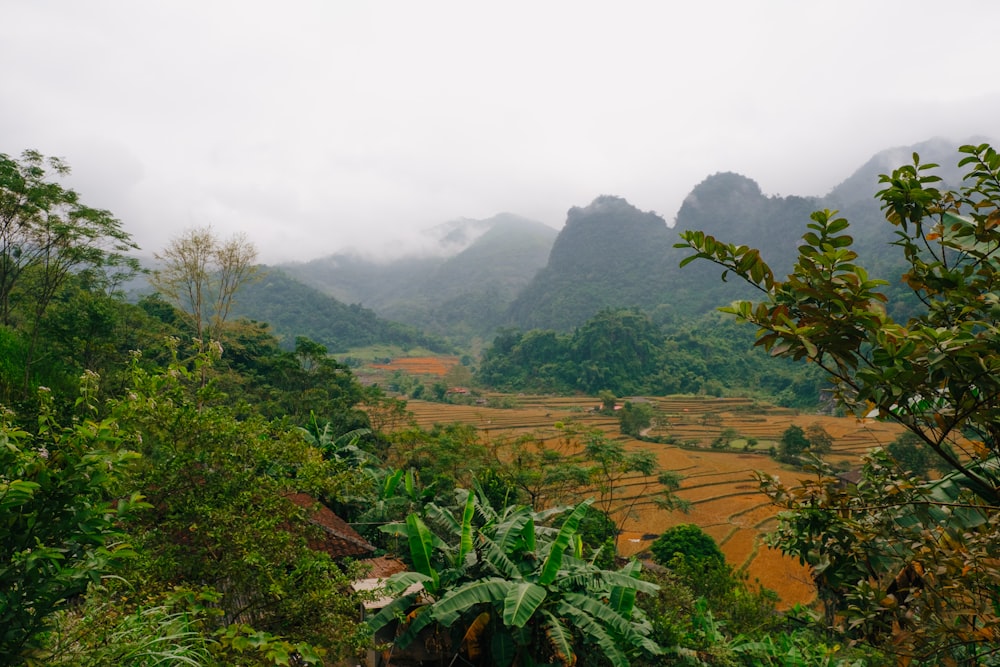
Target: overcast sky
pixel 315 126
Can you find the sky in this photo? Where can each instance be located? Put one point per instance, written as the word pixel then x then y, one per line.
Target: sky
pixel 318 126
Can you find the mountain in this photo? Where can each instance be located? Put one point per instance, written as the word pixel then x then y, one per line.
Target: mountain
pixel 466 278
pixel 294 309
pixel 610 254
pixel 458 285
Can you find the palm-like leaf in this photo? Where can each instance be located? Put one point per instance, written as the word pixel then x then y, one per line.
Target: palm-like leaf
pixel 472 639
pixel 521 603
pixel 560 638
pixel 498 560
pixel 391 611
pixel 421 549
pixel 609 618
pixel 554 560
pixel 594 632
pixel 419 619
pixel 457 601
pixel 627 580
pixel 465 546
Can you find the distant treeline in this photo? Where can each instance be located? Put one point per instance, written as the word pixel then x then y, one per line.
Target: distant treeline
pixel 625 352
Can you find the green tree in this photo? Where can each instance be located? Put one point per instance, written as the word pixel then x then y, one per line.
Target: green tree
pixel 793 444
pixel 48 235
pixel 911 453
pixel 62 501
pixel 627 480
pixel 820 441
pixel 936 374
pixel 689 541
pixel 635 417
pixel 523 591
pixel 221 517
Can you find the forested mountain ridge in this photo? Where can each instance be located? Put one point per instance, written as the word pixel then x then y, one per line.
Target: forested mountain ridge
pixel 609 254
pixel 294 309
pixel 514 272
pixel 477 268
pixel 612 255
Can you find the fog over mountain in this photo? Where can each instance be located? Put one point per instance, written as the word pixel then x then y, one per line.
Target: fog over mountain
pixel 609 254
pixel 317 127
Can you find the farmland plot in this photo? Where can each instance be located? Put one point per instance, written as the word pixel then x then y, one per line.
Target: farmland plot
pixel 718 485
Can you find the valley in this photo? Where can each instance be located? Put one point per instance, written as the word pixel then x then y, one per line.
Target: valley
pixel 719 485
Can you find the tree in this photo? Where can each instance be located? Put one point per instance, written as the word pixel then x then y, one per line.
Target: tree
pixel 911 454
pixel 625 481
pixel 634 418
pixel 820 441
pixel 911 563
pixel 46 235
pixel 793 444
pixel 511 584
pixel 62 505
pixel 221 514
pixel 201 275
pixel 687 540
pixel 937 374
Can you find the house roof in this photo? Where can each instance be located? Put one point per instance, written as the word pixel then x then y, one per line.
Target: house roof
pixel 339 539
pixel 382 568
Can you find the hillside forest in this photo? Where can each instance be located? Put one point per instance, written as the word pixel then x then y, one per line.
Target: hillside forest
pixel 197 468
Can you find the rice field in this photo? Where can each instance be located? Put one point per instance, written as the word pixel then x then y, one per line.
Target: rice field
pixel 426 366
pixel 718 485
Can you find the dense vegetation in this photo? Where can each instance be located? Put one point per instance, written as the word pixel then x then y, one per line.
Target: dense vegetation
pixel 899 561
pixel 626 353
pixel 293 309
pixel 150 454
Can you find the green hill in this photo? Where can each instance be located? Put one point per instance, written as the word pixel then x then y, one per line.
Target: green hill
pixel 295 309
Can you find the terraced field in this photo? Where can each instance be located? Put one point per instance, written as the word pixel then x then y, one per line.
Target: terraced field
pixel 430 366
pixel 718 485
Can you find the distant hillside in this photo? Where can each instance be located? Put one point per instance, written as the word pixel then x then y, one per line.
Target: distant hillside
pixel 295 309
pixel 612 255
pixel 459 287
pixel 609 254
pixel 466 278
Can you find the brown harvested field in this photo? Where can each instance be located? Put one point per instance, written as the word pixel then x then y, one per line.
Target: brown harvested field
pixel 718 484
pixel 437 366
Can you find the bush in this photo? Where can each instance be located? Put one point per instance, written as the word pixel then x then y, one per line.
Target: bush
pixel 689 541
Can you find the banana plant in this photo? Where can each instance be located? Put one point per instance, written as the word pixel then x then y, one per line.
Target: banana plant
pixel 509 580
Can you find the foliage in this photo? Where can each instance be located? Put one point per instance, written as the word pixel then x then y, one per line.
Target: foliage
pixel 625 353
pixel 635 417
pixel 793 444
pixel 201 275
pixel 296 309
pixel 932 374
pixel 706 614
pixel 689 541
pixel 625 480
pixel 936 374
pixel 62 501
pixel 820 441
pixel 173 628
pixel 911 454
pixel 220 514
pixel 525 587
pixel 897 561
pixel 47 235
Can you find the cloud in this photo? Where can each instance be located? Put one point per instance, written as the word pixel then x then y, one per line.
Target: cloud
pixel 315 126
